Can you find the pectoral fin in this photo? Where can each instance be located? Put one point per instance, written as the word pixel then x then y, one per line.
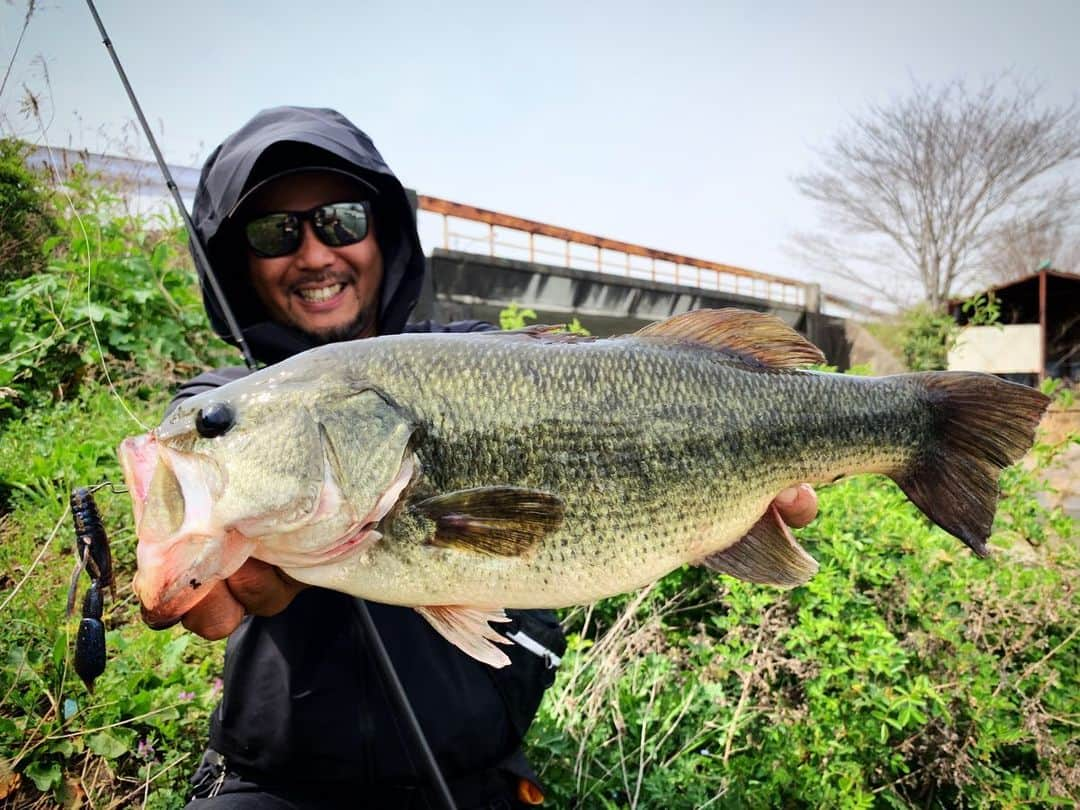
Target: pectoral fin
pixel 768 554
pixel 497 521
pixel 467 629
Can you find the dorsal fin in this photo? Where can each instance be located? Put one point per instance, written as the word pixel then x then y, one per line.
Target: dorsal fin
pixel 547 333
pixel 532 330
pixel 752 336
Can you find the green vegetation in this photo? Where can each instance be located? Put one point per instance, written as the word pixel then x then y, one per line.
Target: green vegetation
pixel 109 282
pixel 515 317
pixel 25 216
pixel 906 674
pixel 922 337
pixel 65 404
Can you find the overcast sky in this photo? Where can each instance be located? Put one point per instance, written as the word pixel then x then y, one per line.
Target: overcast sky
pixel 674 125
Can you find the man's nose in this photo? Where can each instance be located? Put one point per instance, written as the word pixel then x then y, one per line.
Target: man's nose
pixel 312 253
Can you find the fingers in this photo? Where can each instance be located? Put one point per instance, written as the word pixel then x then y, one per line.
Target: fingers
pixel 263 589
pixel 217 615
pixel 797 505
pixel 256 588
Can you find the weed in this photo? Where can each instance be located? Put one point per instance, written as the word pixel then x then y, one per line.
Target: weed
pixel 907 673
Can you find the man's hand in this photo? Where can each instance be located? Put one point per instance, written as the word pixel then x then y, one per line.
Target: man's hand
pixel 797 505
pixel 256 588
pixel 263 590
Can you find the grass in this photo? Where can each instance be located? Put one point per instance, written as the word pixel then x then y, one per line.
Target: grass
pixel 906 674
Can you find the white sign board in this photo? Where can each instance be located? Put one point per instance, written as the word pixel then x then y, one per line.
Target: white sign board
pixel 997 349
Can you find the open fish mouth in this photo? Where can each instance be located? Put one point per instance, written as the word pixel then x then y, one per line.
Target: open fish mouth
pixel 182 549
pixel 138 457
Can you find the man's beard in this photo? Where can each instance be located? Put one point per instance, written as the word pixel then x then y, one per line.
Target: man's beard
pixel 351 331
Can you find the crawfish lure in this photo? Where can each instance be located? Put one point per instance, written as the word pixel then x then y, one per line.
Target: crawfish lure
pixel 93 556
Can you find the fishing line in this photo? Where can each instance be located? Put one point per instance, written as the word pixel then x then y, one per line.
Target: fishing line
pixel 202 262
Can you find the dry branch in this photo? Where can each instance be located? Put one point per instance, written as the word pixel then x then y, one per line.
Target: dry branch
pixel 918 193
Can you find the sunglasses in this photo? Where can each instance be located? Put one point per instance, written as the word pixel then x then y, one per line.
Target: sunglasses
pixel 335 224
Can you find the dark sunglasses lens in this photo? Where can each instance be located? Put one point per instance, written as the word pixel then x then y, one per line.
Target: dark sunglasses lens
pixel 273 235
pixel 341 224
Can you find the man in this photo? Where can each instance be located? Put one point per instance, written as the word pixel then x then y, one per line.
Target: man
pixel 313 240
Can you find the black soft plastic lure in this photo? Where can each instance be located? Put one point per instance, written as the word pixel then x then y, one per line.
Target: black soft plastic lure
pixel 95 557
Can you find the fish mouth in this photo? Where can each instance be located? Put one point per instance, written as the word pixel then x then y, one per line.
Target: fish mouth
pixel 182 550
pixel 138 457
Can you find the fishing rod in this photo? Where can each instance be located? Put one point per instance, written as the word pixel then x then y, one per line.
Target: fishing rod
pixel 198 250
pixel 202 261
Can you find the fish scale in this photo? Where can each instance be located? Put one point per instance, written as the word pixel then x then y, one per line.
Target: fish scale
pixel 670 443
pixel 464 474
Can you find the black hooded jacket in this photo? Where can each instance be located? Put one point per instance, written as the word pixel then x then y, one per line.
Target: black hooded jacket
pixel 303 708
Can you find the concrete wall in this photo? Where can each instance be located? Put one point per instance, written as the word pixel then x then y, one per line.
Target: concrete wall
pixel 467 285
pixel 998 349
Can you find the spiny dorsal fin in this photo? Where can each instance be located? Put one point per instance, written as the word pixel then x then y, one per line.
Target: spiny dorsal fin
pixel 497 521
pixel 752 336
pixel 467 629
pixel 533 330
pixel 768 554
pixel 546 333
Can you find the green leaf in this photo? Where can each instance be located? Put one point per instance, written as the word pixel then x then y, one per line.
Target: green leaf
pixel 64 747
pixel 45 776
pixel 111 743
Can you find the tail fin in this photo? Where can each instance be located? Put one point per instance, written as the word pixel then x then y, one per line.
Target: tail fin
pixel 982 424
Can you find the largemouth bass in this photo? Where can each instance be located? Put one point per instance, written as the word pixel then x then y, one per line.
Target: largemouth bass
pixel 464 474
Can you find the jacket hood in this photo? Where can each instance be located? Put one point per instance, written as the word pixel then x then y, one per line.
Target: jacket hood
pixel 274 141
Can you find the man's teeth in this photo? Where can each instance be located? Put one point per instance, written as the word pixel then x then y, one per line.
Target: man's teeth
pixel 321 293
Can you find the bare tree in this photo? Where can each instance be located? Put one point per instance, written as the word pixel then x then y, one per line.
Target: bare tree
pixel 913 193
pixel 1020 248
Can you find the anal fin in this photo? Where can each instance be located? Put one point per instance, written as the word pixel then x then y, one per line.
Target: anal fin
pixel 768 554
pixel 467 629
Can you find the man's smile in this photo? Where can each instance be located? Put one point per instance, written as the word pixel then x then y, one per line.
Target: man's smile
pixel 321 293
pixel 328 292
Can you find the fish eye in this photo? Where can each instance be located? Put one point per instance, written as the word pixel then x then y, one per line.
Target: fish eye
pixel 214 420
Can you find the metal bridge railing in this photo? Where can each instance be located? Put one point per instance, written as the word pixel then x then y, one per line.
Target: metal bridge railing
pixel 506 236
pixel 497 234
